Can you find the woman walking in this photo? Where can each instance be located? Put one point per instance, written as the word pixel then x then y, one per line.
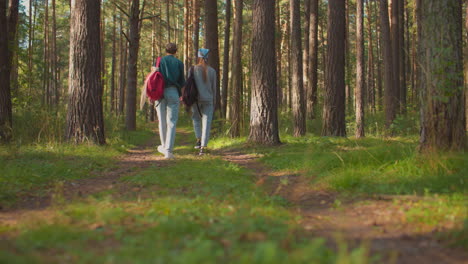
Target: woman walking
pixel 202 111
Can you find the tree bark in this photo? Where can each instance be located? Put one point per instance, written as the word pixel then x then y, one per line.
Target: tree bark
pixel 112 79
pixel 396 53
pixel 348 71
pixel 297 85
pixel 211 42
pixel 379 61
pixel 30 44
pixel 466 66
pixel 370 60
pixel 53 57
pixel 46 71
pixel 390 98
pixel 225 81
pixel 85 116
pixel 235 105
pixel 306 53
pixel 313 59
pixel 196 27
pixel 8 25
pixel 264 108
pixel 334 99
pixel 359 90
pixel 403 55
pixel 123 70
pixel 442 92
pixel 168 22
pixel 134 45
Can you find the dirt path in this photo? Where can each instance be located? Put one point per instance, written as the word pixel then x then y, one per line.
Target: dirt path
pixel 41 203
pixel 377 221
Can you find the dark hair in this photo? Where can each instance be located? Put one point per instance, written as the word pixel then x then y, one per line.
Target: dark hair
pixel 171 48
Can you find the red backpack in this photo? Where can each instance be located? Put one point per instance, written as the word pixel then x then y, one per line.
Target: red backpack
pixel 155 83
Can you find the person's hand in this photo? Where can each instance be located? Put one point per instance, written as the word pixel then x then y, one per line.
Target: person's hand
pixel 153 69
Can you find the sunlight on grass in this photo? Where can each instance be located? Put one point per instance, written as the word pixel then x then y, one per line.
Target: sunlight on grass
pixel 192 217
pixel 38 165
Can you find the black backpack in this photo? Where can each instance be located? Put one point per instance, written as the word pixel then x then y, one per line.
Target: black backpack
pixel 190 91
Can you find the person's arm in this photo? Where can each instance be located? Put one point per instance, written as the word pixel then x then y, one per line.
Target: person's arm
pixel 181 80
pixel 213 87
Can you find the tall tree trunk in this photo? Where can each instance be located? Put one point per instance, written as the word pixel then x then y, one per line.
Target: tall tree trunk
pixel 313 59
pixel 279 42
pixel 211 42
pixel 8 25
pixel 379 97
pixel 168 22
pixel 196 27
pixel 359 90
pixel 284 46
pixel 370 62
pixel 30 44
pixel 390 100
pixel 46 54
pixel 396 52
pixel 348 71
pixel 85 116
pixel 403 55
pixel 103 52
pixel 297 86
pixel 112 80
pixel 235 104
pixel 123 70
pixel 186 35
pixel 134 45
pixel 264 108
pixel 334 100
pixel 306 53
pixel 54 57
pixel 225 81
pixel 442 92
pixel 466 66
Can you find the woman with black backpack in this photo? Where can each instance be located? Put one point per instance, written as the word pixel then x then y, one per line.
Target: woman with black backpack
pixel 202 110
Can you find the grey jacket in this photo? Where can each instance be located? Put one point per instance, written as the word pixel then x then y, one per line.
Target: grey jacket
pixel 206 90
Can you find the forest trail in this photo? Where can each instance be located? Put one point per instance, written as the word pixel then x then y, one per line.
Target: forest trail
pixel 40 203
pixel 377 222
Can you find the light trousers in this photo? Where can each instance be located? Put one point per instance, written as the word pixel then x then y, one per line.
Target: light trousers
pixel 168 114
pixel 202 121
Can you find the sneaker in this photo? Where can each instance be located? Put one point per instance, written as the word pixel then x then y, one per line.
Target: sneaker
pixel 198 144
pixel 169 155
pixel 202 151
pixel 161 150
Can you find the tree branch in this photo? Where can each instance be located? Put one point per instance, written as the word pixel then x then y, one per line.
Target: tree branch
pixel 149 17
pixel 140 20
pixel 125 35
pixel 121 10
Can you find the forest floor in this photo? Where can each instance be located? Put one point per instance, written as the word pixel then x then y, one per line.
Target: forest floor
pixel 379 221
pixel 376 224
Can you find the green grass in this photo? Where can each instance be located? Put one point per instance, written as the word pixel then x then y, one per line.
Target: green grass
pixel 197 210
pixel 30 168
pixel 378 166
pixel 368 166
pixel 206 210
